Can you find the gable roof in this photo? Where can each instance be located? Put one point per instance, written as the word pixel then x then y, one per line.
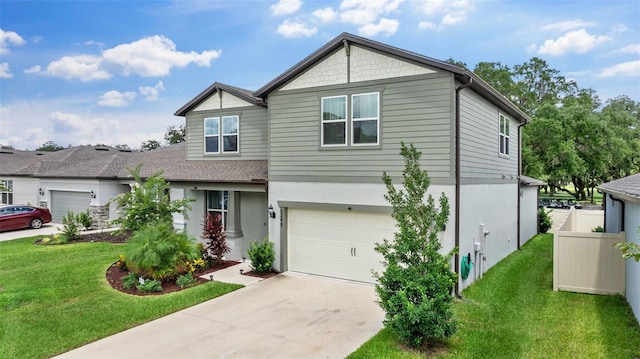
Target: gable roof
pixel 627 188
pixel 246 95
pixel 463 75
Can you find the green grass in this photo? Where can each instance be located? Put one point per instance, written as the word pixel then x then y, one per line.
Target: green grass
pixel 512 312
pixel 55 298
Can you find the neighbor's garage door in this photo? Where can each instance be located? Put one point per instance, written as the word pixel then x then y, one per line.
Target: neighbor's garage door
pixel 337 244
pixel 63 201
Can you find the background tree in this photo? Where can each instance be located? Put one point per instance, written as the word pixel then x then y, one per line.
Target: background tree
pixel 50 146
pixel 175 135
pixel 149 145
pixel 147 201
pixel 415 288
pixel 7 147
pixel 123 147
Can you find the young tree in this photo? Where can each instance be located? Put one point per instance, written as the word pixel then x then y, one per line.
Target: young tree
pixel 415 288
pixel 149 145
pixel 630 249
pixel 147 201
pixel 175 135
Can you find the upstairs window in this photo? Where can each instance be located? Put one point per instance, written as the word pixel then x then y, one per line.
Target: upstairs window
pixel 364 119
pixel 221 139
pixel 334 121
pixel 504 136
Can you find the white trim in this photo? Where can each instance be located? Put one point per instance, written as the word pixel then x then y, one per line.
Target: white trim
pixel 220 135
pixel 237 134
pixel 503 147
pixel 204 138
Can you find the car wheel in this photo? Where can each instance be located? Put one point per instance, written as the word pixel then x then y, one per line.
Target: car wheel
pixel 36 223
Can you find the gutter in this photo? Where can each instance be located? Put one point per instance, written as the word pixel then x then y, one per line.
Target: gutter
pixel 457 169
pixel 520 174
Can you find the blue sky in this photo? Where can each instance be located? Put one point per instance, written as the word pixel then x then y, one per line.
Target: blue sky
pixel 114 72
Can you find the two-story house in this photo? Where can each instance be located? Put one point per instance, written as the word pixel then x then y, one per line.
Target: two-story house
pixel 329 126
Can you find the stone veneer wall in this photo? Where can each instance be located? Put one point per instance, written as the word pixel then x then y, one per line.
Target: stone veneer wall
pixel 99 216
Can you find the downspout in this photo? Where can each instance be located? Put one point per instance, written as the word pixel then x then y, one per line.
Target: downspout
pixel 622 209
pixel 520 174
pixel 457 169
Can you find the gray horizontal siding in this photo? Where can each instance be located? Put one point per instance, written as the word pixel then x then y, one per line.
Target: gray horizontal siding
pixel 479 136
pixel 416 110
pixel 253 133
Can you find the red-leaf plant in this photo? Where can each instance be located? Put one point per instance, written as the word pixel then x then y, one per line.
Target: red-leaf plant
pixel 216 240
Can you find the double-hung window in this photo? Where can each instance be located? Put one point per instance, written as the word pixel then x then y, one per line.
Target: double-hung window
pixel 217 202
pixel 504 136
pixel 6 192
pixel 364 119
pixel 334 121
pixel 221 134
pixel 358 126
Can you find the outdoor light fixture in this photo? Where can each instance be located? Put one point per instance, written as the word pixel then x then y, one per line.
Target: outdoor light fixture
pixel 41 191
pixel 211 277
pixel 272 213
pixel 241 271
pixel 92 194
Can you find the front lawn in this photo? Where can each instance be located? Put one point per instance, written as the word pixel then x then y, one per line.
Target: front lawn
pixel 55 298
pixel 512 312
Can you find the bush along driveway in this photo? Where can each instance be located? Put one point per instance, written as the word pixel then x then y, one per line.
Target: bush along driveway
pixel 514 313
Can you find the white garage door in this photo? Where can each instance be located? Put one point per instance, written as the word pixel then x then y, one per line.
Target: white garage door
pixel 337 244
pixel 62 201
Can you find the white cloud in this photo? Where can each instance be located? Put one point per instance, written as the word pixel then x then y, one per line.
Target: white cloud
pixel 567 25
pixel 5 73
pixel 153 56
pixel 83 67
pixel 579 41
pixel 366 12
pixel 149 56
pixel 151 93
pixel 445 12
pixel 115 98
pixel 629 49
pixel 532 48
pixel 285 7
pixel 9 38
pixel 619 29
pixel 325 15
pixel 293 29
pixel 631 68
pixel 424 25
pixel 64 123
pixel 384 26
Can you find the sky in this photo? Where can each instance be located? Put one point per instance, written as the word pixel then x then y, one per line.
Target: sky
pixel 114 72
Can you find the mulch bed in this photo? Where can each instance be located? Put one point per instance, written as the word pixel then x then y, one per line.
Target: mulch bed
pixel 114 274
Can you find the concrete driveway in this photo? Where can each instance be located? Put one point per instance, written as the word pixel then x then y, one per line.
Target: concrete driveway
pixel 288 316
pixel 47 229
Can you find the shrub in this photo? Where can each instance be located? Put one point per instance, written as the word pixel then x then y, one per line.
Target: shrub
pixel 147 201
pixel 544 220
pixel 122 263
pixel 262 256
pixel 598 229
pixel 185 280
pixel 130 280
pixel 84 219
pixel 149 286
pixel 416 284
pixel 159 251
pixel 216 240
pixel 69 226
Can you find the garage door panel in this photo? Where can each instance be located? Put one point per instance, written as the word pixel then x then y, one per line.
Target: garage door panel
pixel 63 201
pixel 337 244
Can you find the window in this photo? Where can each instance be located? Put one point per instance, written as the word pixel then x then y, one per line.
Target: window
pixel 504 135
pixel 221 140
pixel 6 192
pixel 334 121
pixel 364 119
pixel 363 122
pixel 217 202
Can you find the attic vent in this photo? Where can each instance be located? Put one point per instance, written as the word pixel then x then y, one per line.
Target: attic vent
pixel 101 148
pixel 9 152
pixel 124 150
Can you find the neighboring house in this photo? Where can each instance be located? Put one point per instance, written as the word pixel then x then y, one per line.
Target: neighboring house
pixel 530 197
pixel 622 213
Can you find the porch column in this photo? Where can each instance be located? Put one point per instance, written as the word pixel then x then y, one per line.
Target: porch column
pixel 234 227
